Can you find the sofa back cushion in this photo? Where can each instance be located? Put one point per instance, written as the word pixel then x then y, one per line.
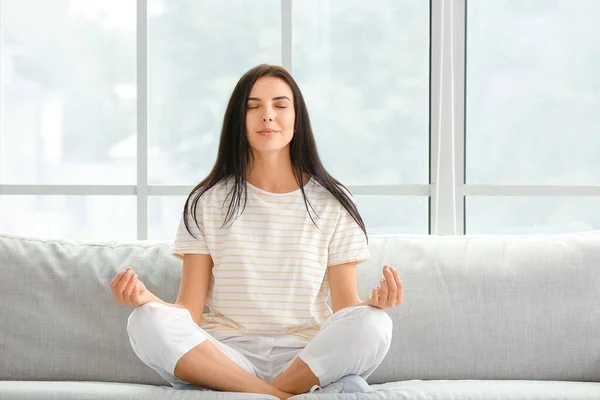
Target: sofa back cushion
pixel 492 307
pixel 59 321
pixel 475 307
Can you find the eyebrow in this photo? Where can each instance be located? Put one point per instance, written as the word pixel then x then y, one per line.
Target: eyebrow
pixel 274 98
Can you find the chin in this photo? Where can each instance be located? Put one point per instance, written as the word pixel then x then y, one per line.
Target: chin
pixel 262 145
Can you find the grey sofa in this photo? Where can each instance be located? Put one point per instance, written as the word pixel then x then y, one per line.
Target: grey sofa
pixel 484 317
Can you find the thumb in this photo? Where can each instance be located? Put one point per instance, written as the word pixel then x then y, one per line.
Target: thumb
pixel 142 294
pixel 369 300
pixel 135 295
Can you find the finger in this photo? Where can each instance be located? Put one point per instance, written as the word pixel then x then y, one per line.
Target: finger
pixel 123 274
pixel 116 279
pixel 400 293
pixel 123 284
pixel 392 287
pixel 383 291
pixel 130 288
pixel 126 273
pixel 383 280
pixel 133 294
pixel 376 297
pixel 136 292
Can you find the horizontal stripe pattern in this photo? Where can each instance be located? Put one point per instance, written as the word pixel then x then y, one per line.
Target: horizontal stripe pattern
pixel 270 262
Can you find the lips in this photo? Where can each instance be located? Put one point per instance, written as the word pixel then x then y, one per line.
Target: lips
pixel 267 132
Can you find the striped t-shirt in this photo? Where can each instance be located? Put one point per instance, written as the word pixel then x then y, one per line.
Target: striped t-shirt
pixel 270 263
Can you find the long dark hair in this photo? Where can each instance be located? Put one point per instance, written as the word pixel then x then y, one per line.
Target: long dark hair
pixel 234 155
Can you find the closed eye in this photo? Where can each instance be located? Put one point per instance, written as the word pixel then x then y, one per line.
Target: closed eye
pixel 251 108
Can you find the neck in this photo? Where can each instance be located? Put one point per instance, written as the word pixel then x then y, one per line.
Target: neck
pixel 273 173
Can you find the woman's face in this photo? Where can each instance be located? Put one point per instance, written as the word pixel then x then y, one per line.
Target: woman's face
pixel 270 115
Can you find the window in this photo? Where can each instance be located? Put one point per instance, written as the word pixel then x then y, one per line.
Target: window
pixel 446 117
pixel 533 93
pixel 68 113
pixel 80 83
pixel 197 50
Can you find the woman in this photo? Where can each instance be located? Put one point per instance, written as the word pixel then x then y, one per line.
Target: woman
pixel 265 239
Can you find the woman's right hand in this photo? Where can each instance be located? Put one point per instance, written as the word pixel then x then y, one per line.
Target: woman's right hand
pixel 128 290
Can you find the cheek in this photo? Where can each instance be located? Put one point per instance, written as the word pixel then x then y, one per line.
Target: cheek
pixel 249 127
pixel 251 123
pixel 288 120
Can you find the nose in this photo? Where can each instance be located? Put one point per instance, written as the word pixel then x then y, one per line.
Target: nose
pixel 267 118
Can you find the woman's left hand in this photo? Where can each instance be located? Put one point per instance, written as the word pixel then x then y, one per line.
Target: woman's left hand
pixel 389 293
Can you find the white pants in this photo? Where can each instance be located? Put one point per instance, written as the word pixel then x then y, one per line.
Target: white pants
pixel 354 340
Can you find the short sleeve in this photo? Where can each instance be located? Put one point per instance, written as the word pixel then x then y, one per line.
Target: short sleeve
pixel 184 242
pixel 348 243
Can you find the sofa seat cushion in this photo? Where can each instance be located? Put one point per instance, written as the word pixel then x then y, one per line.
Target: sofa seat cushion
pixel 471 390
pixel 72 390
pixel 403 390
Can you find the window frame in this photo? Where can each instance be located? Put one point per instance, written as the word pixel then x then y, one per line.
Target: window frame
pixel 446 189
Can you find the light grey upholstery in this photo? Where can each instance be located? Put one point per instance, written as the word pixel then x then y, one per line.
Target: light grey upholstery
pixel 478 312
